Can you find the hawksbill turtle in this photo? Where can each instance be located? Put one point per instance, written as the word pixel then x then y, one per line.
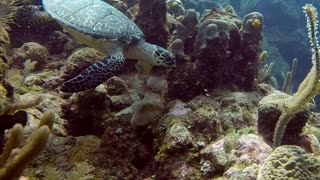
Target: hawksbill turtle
pixel 104 28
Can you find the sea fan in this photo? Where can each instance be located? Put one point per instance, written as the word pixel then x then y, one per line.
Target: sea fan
pixel 51 173
pixel 81 172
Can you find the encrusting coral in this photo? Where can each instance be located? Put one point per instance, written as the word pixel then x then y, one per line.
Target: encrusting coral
pixel 14 160
pixel 308 89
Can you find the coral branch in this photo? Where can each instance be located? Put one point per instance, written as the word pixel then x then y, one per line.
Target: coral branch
pixel 24 104
pixel 14 160
pixel 14 141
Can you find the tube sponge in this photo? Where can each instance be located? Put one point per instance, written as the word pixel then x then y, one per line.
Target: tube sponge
pixel 252 23
pixel 211 29
pixel 177 48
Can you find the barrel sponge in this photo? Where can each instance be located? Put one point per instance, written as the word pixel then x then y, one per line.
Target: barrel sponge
pixel 252 23
pixel 290 162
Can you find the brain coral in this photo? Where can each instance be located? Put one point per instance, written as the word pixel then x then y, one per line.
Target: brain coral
pixel 290 162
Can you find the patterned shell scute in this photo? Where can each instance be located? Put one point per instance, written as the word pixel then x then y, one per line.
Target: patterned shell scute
pixel 93 17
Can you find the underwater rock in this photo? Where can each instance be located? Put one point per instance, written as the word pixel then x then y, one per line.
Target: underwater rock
pixel 125 100
pixel 177 139
pixel 71 150
pixel 290 162
pixel 79 60
pixel 205 124
pixel 33 51
pixel 269 113
pixel 264 89
pixel 178 108
pixel 116 86
pixel 85 113
pixel 119 102
pixel 249 149
pixel 227 156
pixel 233 111
pixel 147 110
pixel 72 46
pixel 157 83
pixel 57 42
pixel 215 158
pixel 35 82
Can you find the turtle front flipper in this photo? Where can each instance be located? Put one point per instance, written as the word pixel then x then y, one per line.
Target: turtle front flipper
pixel 95 74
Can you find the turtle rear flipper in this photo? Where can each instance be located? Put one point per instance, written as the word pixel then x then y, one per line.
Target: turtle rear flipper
pixel 95 74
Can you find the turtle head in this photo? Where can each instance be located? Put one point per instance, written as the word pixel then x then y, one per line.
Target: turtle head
pixel 163 57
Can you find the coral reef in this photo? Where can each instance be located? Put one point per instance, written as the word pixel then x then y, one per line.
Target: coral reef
pixel 201 120
pixel 33 51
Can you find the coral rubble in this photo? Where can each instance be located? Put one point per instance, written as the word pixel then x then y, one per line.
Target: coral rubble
pixel 215 116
